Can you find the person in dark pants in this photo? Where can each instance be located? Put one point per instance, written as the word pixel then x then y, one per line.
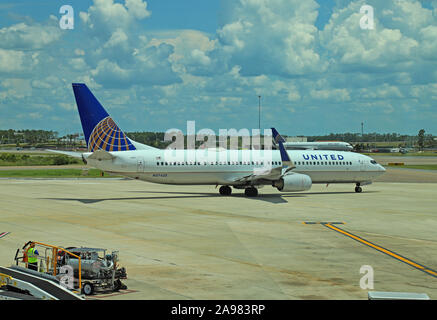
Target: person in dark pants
pixel 32 260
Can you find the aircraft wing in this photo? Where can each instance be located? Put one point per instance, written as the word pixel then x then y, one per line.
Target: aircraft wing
pixel 96 155
pixel 262 174
pixel 272 174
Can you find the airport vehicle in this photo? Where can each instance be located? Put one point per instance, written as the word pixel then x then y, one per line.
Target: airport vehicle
pixel 90 269
pixel 99 271
pixel 319 145
pixel 110 150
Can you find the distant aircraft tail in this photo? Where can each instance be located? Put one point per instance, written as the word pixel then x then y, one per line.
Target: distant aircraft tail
pixel 100 131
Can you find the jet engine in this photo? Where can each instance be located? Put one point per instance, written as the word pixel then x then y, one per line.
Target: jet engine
pixel 293 182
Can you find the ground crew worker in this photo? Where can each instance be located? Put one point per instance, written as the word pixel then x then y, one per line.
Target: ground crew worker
pixel 32 260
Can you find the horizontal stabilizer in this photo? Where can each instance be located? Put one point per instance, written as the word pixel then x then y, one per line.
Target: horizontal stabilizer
pixel 67 153
pixel 101 155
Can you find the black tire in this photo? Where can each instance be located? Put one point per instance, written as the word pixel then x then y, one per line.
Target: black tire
pixel 358 189
pixel 117 285
pixel 225 190
pixel 88 288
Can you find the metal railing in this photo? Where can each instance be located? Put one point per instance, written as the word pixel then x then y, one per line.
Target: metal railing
pixel 49 258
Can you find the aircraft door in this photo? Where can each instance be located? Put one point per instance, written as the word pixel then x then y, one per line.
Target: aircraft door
pixel 362 165
pixel 140 165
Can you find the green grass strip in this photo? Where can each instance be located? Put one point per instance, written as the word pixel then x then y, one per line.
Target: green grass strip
pixel 53 173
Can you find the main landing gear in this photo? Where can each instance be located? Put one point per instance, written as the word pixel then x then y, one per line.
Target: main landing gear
pixel 249 192
pixel 358 188
pixel 225 190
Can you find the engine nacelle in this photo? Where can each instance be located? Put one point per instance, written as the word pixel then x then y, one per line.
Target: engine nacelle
pixel 293 182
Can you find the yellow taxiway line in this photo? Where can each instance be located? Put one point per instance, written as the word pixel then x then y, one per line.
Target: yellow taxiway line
pixel 377 247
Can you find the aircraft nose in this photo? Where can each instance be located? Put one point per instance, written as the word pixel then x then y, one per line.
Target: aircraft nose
pixel 381 168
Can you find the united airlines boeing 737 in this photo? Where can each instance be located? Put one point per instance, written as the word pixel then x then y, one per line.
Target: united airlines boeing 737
pixel 318 145
pixel 110 150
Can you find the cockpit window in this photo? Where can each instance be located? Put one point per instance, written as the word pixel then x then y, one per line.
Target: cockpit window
pixel 373 161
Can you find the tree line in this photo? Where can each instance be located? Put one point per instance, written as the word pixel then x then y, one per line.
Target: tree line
pixel 367 137
pixel 156 139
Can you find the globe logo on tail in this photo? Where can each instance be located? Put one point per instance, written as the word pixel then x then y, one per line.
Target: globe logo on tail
pixel 107 136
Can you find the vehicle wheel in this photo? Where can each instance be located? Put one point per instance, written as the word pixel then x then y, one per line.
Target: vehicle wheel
pixel 117 285
pixel 358 189
pixel 225 190
pixel 251 192
pixel 88 288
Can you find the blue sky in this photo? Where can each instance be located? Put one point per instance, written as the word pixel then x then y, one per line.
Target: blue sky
pixel 156 64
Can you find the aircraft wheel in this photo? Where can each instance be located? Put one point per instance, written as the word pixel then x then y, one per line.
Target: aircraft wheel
pixel 225 190
pixel 251 192
pixel 358 189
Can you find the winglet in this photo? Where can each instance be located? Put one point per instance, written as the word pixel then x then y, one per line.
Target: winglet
pixel 276 136
pixel 286 161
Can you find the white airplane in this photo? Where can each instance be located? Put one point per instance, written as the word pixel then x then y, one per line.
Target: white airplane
pixel 318 145
pixel 110 150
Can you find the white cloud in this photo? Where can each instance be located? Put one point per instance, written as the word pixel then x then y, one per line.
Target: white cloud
pixel 348 44
pixel 267 37
pixel 384 92
pixel 149 65
pixel 79 52
pixel 428 47
pixel 30 115
pixel 200 57
pixel 67 106
pixel 15 88
pixel 293 94
pixel 408 16
pixel 191 48
pixel 49 82
pixel 331 94
pixel 117 38
pixel 23 36
pixel 78 64
pixel 106 16
pixel 138 8
pixel 11 61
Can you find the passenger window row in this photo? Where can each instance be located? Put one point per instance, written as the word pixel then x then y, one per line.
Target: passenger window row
pixel 223 163
pixel 326 163
pixel 254 163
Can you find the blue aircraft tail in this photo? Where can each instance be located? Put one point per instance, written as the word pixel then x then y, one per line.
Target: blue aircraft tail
pixel 100 131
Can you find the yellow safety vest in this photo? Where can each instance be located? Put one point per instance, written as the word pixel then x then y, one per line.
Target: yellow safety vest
pixel 31 257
